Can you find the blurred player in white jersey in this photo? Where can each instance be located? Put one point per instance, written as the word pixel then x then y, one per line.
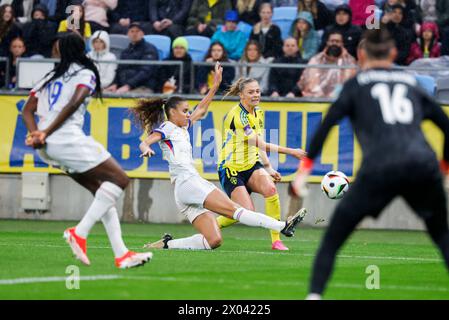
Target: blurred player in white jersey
pixel 167 123
pixel 60 101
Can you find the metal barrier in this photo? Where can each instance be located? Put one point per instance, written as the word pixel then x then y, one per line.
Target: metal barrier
pixel 118 62
pixel 6 60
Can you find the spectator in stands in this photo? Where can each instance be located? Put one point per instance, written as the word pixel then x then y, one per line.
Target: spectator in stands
pixel 428 10
pixel 60 8
pixel 359 14
pixel 100 44
pixel 97 13
pixel 427 45
pixel 248 10
pixel 136 77
pixel 39 33
pixel 282 81
pixel 232 39
pixel 401 35
pixel 205 16
pixel 253 54
pixel 76 22
pixel 284 3
pixel 51 6
pixel 303 30
pixel 168 76
pixel 322 17
pixel 267 34
pixel 204 75
pixel 323 83
pixel 23 10
pixel 17 50
pixel 343 24
pixel 168 17
pixel 8 28
pixel 127 12
pixel 408 14
pixel 443 23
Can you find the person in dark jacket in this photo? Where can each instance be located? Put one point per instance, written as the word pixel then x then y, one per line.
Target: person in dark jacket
pixel 248 10
pixel 131 77
pixel 343 23
pixel 322 17
pixel 205 16
pixel 442 7
pixel 39 33
pixel 127 12
pixel 168 76
pixel 401 35
pixel 9 29
pixel 282 81
pixel 267 34
pixel 168 17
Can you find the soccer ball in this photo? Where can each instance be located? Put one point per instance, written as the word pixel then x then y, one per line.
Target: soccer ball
pixel 335 184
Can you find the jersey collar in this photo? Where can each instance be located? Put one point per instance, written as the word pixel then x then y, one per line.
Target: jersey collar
pixel 243 108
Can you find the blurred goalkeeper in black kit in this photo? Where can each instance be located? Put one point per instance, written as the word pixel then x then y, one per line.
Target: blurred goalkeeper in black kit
pixel 386 109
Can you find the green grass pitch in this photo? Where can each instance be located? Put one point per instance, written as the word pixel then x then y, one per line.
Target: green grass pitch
pixel 244 267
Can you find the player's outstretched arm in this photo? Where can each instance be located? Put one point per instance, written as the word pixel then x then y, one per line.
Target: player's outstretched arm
pixel 145 146
pixel 258 141
pixel 201 110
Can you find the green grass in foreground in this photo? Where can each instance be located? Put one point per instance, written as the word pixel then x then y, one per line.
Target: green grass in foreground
pixel 245 267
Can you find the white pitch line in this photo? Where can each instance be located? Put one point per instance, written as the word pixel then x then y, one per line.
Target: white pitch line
pixel 57 279
pixel 399 258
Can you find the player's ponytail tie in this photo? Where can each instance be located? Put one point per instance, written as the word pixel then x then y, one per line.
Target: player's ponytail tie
pixel 444 166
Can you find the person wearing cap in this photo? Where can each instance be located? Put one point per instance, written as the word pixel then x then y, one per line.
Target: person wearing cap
pixel 232 39
pixel 205 16
pixel 343 24
pixel 426 46
pixel 168 17
pixel 136 77
pixel 168 76
pixel 39 33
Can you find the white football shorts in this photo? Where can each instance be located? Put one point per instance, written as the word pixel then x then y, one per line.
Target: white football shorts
pixel 190 195
pixel 75 155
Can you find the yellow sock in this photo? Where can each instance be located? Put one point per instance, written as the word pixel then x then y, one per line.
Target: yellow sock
pixel 273 209
pixel 224 222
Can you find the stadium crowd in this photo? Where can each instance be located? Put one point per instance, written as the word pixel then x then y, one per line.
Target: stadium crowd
pixel 324 32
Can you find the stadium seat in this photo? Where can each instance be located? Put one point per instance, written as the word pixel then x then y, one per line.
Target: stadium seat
pixel 245 28
pixel 198 47
pixel 427 83
pixel 118 43
pixel 162 43
pixel 283 17
pixel 443 89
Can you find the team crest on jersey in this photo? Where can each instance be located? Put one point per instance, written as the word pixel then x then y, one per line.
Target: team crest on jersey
pixel 233 180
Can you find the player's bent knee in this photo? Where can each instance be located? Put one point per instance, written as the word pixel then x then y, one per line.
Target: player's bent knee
pixel 215 242
pixel 270 191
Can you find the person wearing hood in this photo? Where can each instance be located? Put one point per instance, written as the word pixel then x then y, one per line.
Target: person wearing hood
pixel 100 46
pixel 168 76
pixel 303 30
pixel 39 33
pixel 427 45
pixel 343 24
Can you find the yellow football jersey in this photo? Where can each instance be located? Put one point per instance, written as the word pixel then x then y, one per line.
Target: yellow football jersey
pixel 236 153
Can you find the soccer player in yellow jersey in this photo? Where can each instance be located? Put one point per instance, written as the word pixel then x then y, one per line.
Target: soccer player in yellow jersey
pixel 244 166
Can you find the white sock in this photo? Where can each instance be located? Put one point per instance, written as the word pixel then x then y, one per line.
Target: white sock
pixel 255 219
pixel 195 242
pixel 313 296
pixel 111 223
pixel 105 198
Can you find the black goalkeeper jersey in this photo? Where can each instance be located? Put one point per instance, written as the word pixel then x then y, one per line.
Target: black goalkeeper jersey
pixel 386 109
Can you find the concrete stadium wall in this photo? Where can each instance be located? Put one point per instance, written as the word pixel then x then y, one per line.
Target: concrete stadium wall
pixel 152 200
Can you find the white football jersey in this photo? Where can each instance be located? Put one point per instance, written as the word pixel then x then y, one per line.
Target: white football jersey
pixel 177 150
pixel 57 94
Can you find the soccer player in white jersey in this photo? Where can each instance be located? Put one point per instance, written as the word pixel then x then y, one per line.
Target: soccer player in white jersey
pixel 167 123
pixel 60 101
